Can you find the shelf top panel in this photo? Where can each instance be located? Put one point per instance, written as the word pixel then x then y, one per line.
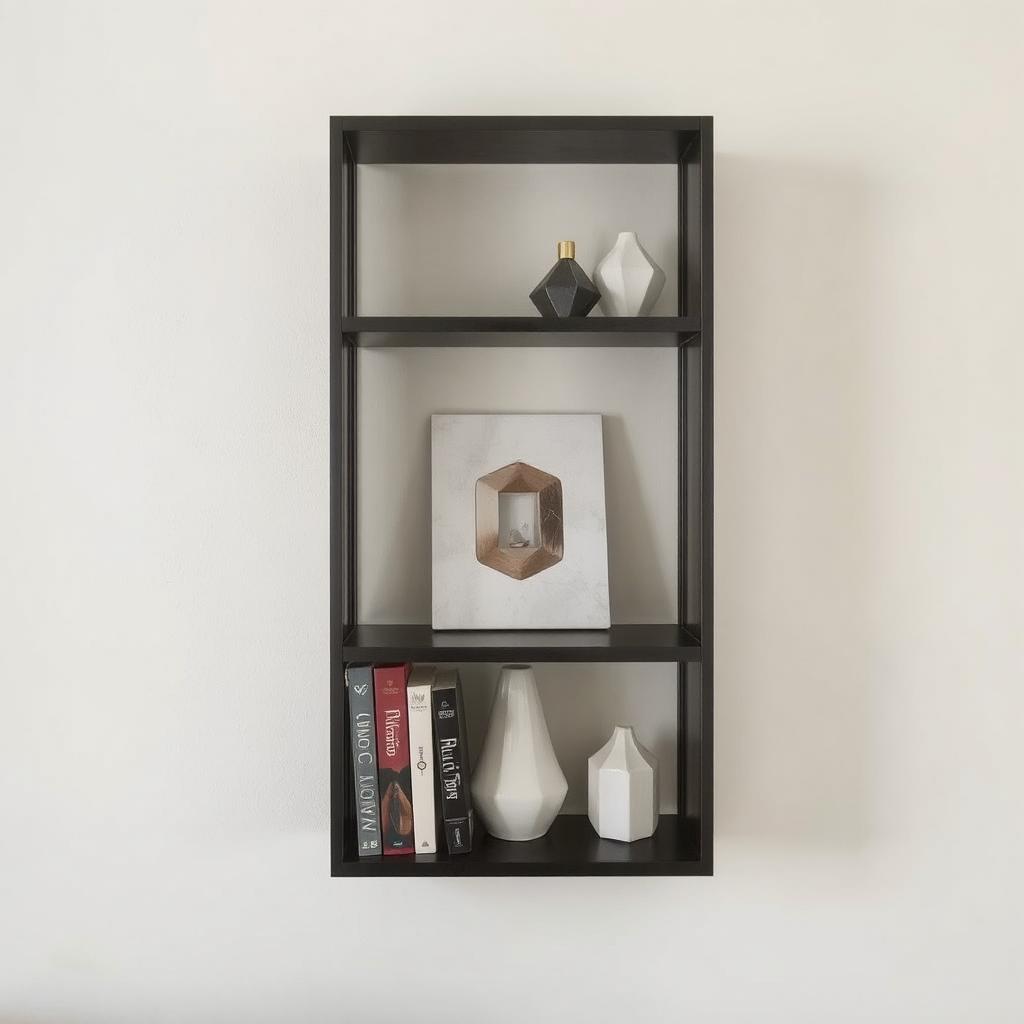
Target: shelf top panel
pixel 518 140
pixel 626 643
pixel 570 848
pixel 482 331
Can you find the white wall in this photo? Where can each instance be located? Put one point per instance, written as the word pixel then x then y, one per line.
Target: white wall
pixel 163 445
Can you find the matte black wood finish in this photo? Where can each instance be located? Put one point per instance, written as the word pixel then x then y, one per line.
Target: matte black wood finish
pixel 520 331
pixel 523 324
pixel 519 140
pixel 570 848
pixel 661 642
pixel 683 842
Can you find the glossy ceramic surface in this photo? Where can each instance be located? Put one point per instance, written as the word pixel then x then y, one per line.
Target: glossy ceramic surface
pixel 628 278
pixel 518 786
pixel 622 788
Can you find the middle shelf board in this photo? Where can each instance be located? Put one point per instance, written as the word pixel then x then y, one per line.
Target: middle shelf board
pixel 664 642
pixel 495 331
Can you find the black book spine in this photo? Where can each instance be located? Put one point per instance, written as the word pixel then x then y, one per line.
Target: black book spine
pixel 452 762
pixel 364 759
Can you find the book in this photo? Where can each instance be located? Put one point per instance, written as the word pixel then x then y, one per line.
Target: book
pixel 359 683
pixel 421 755
pixel 395 776
pixel 452 761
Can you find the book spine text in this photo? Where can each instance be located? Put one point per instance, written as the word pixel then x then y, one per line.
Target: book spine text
pixel 421 753
pixel 364 760
pixel 452 763
pixel 395 780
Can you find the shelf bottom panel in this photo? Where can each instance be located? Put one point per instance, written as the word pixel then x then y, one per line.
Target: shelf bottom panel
pixel 571 847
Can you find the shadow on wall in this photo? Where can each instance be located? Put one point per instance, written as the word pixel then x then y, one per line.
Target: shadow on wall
pixel 793 543
pixel 641 583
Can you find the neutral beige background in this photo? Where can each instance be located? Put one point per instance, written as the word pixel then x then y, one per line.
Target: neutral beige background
pixel 163 443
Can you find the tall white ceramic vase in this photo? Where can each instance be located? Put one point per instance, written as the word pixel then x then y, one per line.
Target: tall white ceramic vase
pixel 622 797
pixel 629 280
pixel 517 784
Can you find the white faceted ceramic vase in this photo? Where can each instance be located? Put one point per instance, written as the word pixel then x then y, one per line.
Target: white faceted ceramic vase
pixel 629 280
pixel 517 784
pixel 622 793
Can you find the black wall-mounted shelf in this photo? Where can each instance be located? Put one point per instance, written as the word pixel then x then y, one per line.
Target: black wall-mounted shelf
pixel 683 842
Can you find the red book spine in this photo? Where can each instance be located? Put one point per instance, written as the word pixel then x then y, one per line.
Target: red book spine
pixel 395 771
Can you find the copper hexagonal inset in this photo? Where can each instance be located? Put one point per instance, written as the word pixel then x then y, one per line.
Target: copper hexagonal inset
pixel 519 520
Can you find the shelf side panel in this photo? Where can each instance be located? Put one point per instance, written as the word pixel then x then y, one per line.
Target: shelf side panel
pixel 707 490
pixel 337 311
pixel 692 751
pixel 342 477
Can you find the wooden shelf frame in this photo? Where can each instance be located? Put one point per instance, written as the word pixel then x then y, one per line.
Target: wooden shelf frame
pixel 683 842
pixel 570 848
pixel 665 642
pixel 520 331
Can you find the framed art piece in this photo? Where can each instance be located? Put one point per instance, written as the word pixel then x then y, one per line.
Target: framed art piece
pixel 519 536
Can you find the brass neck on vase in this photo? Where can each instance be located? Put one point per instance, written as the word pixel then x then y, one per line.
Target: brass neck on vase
pixel 567 250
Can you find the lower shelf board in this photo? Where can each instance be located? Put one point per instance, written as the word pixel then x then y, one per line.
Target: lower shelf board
pixel 665 642
pixel 571 847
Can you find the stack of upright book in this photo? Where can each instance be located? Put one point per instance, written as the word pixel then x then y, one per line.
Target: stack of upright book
pixel 410 759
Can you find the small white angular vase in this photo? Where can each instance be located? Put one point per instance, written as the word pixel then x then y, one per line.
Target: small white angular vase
pixel 629 280
pixel 517 784
pixel 622 788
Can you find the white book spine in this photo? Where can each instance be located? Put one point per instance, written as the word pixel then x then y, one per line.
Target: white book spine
pixel 421 756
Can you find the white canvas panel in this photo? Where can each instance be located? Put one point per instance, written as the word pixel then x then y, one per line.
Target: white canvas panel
pixel 572 594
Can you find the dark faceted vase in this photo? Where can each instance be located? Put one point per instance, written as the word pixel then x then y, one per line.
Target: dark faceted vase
pixel 566 290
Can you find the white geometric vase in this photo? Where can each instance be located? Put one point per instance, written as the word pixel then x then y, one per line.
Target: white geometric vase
pixel 517 784
pixel 622 791
pixel 629 280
